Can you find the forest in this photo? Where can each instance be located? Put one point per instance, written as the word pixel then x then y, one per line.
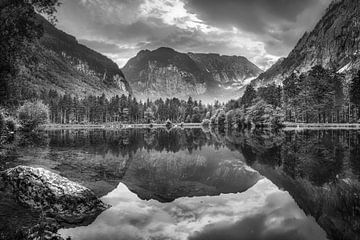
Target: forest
pixel 126 109
pixel 316 96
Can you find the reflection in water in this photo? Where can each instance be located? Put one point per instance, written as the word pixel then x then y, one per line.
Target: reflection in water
pixel 262 212
pixel 319 169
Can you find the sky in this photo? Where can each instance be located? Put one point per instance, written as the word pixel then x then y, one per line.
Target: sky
pixel 260 30
pixel 261 213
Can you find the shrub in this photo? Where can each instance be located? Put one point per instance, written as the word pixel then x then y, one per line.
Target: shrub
pixel 206 123
pixel 2 122
pixel 11 124
pixel 32 114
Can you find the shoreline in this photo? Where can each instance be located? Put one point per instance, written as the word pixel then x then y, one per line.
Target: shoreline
pixel 289 126
pixel 117 126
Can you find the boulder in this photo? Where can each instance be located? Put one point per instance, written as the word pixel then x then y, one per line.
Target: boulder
pixel 55 196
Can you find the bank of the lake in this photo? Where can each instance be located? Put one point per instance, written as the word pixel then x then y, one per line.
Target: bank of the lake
pixel 320 126
pixel 115 126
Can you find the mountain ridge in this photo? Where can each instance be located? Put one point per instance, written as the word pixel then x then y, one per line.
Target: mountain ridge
pixel 333 43
pixel 165 72
pixel 66 66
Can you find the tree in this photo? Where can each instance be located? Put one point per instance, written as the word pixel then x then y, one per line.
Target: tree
pixel 249 96
pixel 271 94
pixel 355 90
pixel 32 114
pixel 19 27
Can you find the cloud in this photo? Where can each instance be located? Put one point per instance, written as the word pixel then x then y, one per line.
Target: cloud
pixel 261 30
pixel 277 220
pixel 277 23
pixel 262 212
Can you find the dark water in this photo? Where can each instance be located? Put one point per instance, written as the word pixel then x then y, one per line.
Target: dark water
pixel 191 184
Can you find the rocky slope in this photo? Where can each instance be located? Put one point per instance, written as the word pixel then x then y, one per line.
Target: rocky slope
pixel 165 72
pixel 68 67
pixel 334 43
pixel 227 70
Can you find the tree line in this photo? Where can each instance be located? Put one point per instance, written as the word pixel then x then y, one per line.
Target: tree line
pixel 66 109
pixel 316 96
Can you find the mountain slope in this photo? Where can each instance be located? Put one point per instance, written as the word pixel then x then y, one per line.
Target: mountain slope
pixel 165 72
pixel 334 43
pixel 66 66
pixel 227 70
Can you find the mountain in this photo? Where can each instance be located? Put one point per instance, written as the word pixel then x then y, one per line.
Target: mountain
pixel 334 43
pixel 165 72
pixel 227 70
pixel 66 66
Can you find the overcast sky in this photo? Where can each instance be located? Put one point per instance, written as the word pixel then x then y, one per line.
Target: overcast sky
pixel 261 30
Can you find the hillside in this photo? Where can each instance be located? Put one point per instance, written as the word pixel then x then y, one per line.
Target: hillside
pixel 334 43
pixel 165 72
pixel 64 65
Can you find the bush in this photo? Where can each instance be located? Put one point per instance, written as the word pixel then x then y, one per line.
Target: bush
pixel 11 124
pixel 2 122
pixel 32 114
pixel 206 123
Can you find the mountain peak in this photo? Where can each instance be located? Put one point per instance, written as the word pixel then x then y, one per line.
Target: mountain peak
pixel 164 72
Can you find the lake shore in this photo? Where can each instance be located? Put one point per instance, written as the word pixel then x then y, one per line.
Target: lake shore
pixel 289 126
pixel 115 126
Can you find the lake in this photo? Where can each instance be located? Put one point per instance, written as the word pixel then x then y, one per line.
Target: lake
pixel 195 184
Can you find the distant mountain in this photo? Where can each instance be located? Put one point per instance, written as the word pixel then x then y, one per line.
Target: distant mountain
pixel 227 70
pixel 66 66
pixel 334 43
pixel 165 72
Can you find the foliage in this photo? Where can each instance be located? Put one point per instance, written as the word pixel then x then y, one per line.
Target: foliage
pixel 2 122
pixel 355 90
pixel 264 114
pixel 218 118
pixel 19 28
pixel 271 94
pixel 99 109
pixel 249 96
pixel 206 123
pixel 314 96
pixel 32 114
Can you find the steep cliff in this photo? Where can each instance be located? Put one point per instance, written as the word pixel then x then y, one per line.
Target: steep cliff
pixel 334 43
pixel 227 70
pixel 165 72
pixel 66 66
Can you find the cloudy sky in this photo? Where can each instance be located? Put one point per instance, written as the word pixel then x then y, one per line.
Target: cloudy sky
pixel 261 30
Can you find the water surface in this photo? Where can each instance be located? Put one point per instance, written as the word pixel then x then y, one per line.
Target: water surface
pixel 191 184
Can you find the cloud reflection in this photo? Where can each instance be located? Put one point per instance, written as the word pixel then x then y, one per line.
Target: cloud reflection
pixel 262 212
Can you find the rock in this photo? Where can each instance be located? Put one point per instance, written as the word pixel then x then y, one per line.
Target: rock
pixel 57 197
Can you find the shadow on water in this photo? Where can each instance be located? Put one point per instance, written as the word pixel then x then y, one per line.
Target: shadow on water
pixel 320 169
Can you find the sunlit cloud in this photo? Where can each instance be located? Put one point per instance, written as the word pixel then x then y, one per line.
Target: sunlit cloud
pixel 263 208
pixel 260 31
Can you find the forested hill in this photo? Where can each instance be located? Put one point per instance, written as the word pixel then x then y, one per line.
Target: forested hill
pixel 58 62
pixel 334 44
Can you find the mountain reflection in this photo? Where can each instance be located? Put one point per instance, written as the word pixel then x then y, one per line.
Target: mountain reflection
pixel 262 212
pixel 319 169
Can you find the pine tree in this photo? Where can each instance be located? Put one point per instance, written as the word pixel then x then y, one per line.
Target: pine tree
pixel 249 96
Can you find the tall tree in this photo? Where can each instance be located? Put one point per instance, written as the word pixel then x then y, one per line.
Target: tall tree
pixel 249 96
pixel 355 91
pixel 19 28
